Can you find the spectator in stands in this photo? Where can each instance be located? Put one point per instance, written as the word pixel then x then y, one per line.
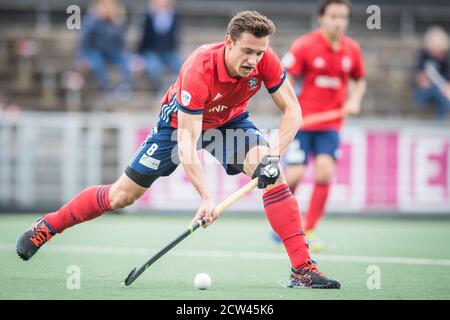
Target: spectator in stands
pixel 158 45
pixel 102 43
pixel 432 74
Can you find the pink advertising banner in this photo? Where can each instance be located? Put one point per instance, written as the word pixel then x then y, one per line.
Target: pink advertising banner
pixel 399 171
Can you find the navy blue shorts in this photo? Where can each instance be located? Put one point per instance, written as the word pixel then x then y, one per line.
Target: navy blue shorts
pixel 229 144
pixel 312 143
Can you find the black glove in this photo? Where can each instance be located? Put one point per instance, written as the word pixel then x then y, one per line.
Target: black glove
pixel 267 171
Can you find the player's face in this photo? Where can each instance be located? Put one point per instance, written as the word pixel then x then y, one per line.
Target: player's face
pixel 243 55
pixel 335 20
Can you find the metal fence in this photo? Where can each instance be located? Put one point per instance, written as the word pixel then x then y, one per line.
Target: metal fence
pixel 47 158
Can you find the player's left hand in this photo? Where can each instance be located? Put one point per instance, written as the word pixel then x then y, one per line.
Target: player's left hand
pixel 268 171
pixel 351 107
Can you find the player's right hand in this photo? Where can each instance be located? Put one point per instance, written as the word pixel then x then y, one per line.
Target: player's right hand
pixel 207 211
pixel 267 171
pixel 445 89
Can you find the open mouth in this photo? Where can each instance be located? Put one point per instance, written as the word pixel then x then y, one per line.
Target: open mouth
pixel 247 68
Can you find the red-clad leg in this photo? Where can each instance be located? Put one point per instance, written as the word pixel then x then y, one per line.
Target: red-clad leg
pixel 317 205
pixel 87 205
pixel 283 213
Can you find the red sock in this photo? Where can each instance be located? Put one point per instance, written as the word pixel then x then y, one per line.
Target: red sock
pixel 317 205
pixel 87 205
pixel 284 216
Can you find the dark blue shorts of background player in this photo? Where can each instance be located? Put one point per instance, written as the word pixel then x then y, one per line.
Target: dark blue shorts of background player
pixel 312 143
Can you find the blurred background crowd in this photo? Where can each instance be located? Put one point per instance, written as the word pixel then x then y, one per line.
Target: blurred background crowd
pixel 127 52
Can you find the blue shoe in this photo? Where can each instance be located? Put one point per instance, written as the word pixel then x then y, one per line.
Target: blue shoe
pixel 275 238
pixel 315 245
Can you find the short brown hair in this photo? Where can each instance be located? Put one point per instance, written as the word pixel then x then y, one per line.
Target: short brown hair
pixel 252 22
pixel 325 3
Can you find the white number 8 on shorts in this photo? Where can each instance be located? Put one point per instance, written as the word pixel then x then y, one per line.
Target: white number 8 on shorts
pixel 152 149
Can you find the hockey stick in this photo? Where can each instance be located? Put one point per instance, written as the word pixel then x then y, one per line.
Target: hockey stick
pixel 136 272
pixel 323 117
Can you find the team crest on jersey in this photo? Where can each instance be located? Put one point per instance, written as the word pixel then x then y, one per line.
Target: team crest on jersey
pixel 346 64
pixel 319 62
pixel 252 82
pixel 185 98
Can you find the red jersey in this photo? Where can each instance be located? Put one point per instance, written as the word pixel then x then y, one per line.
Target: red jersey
pixel 324 74
pixel 204 86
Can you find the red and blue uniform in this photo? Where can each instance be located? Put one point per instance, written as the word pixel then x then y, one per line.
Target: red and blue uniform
pixel 324 74
pixel 204 87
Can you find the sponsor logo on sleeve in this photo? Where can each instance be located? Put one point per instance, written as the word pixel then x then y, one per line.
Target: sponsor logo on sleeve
pixel 185 98
pixel 288 60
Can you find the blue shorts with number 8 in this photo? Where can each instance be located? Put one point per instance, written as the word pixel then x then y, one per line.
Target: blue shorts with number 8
pixel 158 155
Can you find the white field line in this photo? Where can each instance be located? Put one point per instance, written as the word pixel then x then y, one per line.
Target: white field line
pixel 230 254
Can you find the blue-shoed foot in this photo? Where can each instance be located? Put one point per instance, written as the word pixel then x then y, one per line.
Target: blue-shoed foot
pixel 315 245
pixel 275 238
pixel 33 238
pixel 310 277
